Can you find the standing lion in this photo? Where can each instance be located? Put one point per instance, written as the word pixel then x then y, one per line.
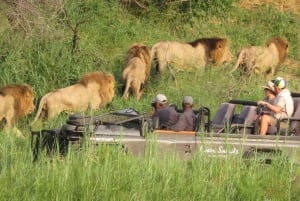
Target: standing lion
pixel 16 101
pixel 190 56
pixel 92 91
pixel 263 59
pixel 136 70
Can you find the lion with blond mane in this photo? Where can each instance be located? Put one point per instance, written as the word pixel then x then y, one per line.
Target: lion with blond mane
pixel 263 59
pixel 192 55
pixel 16 101
pixel 136 70
pixel 93 91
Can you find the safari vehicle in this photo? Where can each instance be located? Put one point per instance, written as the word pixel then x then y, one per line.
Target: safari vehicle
pixel 228 134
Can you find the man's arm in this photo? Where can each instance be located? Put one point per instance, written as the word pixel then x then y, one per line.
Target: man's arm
pixel 181 124
pixel 274 108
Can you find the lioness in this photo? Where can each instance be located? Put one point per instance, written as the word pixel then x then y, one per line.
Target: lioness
pixel 92 91
pixel 263 59
pixel 136 70
pixel 16 101
pixel 192 55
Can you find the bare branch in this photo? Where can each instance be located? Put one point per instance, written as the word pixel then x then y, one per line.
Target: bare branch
pixel 141 5
pixel 135 2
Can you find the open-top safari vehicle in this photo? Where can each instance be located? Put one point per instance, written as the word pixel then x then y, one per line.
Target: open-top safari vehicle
pixel 228 133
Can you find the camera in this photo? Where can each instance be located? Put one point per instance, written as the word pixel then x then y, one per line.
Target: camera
pixel 259 110
pixel 153 104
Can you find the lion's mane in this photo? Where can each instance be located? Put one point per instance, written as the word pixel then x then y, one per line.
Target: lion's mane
pixel 18 97
pixel 106 82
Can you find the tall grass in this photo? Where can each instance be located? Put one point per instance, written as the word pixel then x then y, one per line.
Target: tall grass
pixel 107 173
pixel 46 61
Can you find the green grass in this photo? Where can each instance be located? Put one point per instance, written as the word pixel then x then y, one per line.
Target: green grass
pixel 106 173
pixel 42 57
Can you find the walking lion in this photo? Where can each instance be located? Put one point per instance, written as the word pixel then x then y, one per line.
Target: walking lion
pixel 263 59
pixel 136 70
pixel 92 91
pixel 192 55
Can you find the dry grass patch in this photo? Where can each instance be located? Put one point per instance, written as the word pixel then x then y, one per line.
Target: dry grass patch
pixel 281 5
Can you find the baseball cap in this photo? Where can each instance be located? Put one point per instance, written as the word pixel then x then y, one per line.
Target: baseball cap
pixel 160 98
pixel 280 82
pixel 269 86
pixel 187 100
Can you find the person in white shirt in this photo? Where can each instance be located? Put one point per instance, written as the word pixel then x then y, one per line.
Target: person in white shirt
pixel 282 107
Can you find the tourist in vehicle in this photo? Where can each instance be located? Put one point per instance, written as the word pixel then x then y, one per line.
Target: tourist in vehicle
pixel 187 118
pixel 162 113
pixel 270 95
pixel 282 107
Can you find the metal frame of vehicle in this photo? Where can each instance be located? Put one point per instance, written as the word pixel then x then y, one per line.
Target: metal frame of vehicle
pixel 116 129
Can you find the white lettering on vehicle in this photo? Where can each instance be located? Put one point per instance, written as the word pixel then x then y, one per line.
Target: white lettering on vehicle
pixel 220 150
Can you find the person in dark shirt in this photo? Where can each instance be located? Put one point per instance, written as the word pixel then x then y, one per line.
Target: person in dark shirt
pixel 270 95
pixel 187 118
pixel 166 115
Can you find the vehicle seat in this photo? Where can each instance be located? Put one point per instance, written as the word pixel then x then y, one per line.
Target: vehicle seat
pixel 223 118
pixel 244 122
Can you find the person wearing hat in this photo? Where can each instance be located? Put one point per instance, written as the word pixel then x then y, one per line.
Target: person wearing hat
pixel 187 118
pixel 166 115
pixel 270 95
pixel 282 107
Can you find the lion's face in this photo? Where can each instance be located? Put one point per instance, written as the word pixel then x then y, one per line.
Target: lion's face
pixel 282 47
pixel 17 101
pixel 29 102
pixel 23 96
pixel 227 56
pixel 222 54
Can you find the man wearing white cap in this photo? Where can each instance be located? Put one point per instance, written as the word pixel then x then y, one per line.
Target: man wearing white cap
pixel 187 118
pixel 166 115
pixel 283 106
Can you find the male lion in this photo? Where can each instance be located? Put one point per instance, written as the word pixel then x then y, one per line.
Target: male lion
pixel 192 55
pixel 136 70
pixel 16 101
pixel 263 59
pixel 92 91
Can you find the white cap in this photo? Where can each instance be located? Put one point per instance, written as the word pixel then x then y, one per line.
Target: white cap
pixel 160 98
pixel 187 100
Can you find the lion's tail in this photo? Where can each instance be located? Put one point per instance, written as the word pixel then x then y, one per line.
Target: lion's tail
pixel 239 61
pixel 128 80
pixel 153 52
pixel 153 57
pixel 40 109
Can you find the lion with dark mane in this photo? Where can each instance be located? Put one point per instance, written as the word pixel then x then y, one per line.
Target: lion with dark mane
pixel 192 55
pixel 263 59
pixel 16 101
pixel 93 91
pixel 136 70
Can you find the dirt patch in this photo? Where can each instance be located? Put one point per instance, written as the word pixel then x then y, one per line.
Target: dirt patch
pixel 281 5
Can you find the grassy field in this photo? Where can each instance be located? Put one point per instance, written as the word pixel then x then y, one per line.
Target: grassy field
pixel 37 47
